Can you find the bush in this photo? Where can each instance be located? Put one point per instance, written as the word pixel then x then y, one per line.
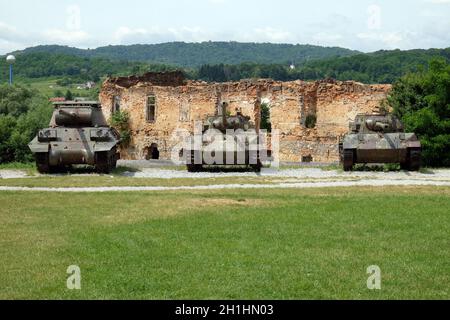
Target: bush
pixel 310 121
pixel 265 117
pixel 422 101
pixel 120 121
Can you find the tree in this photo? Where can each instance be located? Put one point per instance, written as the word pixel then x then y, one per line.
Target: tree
pixel 23 112
pixel 69 95
pixel 422 101
pixel 58 93
pixel 265 117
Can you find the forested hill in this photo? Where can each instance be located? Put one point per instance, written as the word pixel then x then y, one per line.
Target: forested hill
pixel 384 66
pixel 192 55
pixel 377 67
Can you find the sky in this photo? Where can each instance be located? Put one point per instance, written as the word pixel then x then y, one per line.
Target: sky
pixel 365 25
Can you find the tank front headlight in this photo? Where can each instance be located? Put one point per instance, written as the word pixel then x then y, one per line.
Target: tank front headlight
pixel 99 134
pixel 46 135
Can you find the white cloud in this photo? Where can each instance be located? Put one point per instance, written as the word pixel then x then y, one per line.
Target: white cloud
pixel 273 34
pixel 390 39
pixel 439 1
pixel 11 39
pixel 71 37
pixel 73 21
pixel 265 34
pixel 9 33
pixel 126 35
pixel 327 38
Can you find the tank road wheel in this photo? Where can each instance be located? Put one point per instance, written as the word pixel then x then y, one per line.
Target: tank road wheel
pixel 414 159
pixel 194 167
pixel 113 157
pixel 349 160
pixel 102 162
pixel 257 167
pixel 404 165
pixel 191 167
pixel 42 163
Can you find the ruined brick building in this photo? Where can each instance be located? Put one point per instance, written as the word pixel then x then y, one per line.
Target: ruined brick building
pixel 310 116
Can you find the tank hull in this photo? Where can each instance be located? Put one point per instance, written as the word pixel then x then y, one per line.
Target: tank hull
pixel 401 148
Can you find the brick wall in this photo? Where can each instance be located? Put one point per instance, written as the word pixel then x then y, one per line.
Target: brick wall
pixel 179 103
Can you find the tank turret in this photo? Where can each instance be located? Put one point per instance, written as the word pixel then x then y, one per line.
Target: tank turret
pixel 225 122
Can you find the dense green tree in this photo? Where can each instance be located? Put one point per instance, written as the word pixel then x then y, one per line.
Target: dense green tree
pixel 422 100
pixel 69 95
pixel 265 117
pixel 30 111
pixel 193 55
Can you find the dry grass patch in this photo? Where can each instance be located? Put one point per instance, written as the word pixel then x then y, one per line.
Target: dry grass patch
pixel 157 208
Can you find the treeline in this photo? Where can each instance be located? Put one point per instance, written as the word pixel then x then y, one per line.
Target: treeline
pixel 379 67
pixel 193 55
pixel 41 65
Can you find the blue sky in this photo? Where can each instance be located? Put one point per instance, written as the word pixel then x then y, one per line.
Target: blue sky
pixel 362 25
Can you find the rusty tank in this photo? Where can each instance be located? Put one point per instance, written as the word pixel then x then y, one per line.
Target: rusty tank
pixel 78 134
pixel 379 138
pixel 213 149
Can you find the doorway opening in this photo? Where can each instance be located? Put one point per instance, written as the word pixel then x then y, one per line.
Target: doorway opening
pixel 152 152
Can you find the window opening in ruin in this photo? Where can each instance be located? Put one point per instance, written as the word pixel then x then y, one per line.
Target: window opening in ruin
pixel 265 117
pixel 152 152
pixel 307 158
pixel 116 104
pixel 151 108
pixel 310 121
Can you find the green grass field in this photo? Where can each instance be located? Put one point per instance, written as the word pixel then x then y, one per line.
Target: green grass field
pixel 255 244
pixel 48 86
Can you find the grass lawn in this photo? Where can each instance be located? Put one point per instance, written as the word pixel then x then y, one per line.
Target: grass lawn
pixel 253 244
pixel 48 86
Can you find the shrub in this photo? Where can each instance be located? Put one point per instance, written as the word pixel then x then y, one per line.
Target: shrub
pixel 310 121
pixel 120 121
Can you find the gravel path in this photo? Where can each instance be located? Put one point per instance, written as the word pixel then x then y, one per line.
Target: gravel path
pixel 312 173
pixel 291 178
pixel 12 174
pixel 301 185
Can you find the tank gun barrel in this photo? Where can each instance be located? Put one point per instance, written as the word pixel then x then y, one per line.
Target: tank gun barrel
pixel 71 114
pixel 381 126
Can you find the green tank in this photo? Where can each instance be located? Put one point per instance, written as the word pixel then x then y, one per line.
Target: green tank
pixel 77 134
pixel 379 138
pixel 247 142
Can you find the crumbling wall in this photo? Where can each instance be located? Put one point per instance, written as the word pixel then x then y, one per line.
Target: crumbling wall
pixel 174 78
pixel 180 103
